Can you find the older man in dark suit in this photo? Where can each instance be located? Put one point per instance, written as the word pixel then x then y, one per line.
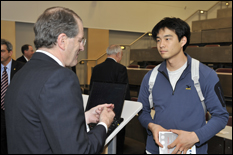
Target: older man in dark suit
pixel 8 69
pixel 112 71
pixel 44 104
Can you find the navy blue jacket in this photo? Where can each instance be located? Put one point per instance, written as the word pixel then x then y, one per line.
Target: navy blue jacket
pixel 182 109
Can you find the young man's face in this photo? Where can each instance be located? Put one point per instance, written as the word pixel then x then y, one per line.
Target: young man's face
pixel 168 44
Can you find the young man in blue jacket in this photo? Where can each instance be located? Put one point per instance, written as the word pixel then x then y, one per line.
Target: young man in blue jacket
pixel 176 102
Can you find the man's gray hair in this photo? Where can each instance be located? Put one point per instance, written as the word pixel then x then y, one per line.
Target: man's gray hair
pixel 8 44
pixel 113 49
pixel 52 23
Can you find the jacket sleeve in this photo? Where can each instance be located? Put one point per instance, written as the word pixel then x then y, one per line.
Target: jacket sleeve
pixel 62 116
pixel 144 115
pixel 215 104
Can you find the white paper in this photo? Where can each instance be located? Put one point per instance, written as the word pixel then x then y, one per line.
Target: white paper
pixel 166 138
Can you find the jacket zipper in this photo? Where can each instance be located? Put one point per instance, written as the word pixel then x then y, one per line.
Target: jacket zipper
pixel 173 91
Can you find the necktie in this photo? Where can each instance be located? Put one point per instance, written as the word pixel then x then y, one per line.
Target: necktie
pixel 4 85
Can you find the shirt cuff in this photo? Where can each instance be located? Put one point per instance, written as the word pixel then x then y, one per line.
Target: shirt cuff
pixel 88 129
pixel 102 123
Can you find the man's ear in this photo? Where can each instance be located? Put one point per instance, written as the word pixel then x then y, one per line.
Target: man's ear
pixel 61 41
pixel 183 41
pixel 11 52
pixel 117 54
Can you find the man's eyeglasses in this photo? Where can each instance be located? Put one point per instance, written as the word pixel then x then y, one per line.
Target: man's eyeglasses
pixel 83 41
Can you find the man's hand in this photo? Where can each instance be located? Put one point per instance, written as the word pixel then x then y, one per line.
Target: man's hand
pixel 107 115
pixel 154 128
pixel 183 142
pixel 93 115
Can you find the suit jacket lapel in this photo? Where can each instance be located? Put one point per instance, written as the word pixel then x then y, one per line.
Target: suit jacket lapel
pixel 13 68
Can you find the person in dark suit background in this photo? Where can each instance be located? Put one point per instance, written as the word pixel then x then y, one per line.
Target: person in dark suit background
pixel 112 71
pixel 27 51
pixel 44 104
pixel 12 67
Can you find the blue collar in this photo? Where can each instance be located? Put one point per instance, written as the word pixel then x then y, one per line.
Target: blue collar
pixel 163 67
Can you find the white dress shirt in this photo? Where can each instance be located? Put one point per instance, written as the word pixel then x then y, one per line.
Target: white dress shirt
pixel 8 70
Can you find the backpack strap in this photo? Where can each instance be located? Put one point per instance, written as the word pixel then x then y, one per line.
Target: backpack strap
pixel 151 83
pixel 195 78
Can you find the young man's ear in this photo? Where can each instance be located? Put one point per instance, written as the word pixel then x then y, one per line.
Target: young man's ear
pixel 183 41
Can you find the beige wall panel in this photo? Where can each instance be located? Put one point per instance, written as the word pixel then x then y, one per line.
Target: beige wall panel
pixel 210 24
pixel 97 43
pixel 8 33
pixel 195 37
pixel 219 35
pixel 221 13
pixel 222 54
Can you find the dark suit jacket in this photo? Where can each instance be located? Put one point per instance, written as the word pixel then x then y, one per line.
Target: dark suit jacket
pixel 45 113
pixel 15 66
pixel 110 71
pixel 22 59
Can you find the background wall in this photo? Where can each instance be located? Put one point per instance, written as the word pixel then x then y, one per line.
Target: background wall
pixel 136 16
pixel 8 33
pixel 24 34
pixel 97 43
pixel 125 21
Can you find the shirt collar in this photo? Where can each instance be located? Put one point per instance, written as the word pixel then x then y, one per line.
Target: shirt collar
pixel 112 58
pixel 8 65
pixel 25 58
pixel 163 66
pixel 51 56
